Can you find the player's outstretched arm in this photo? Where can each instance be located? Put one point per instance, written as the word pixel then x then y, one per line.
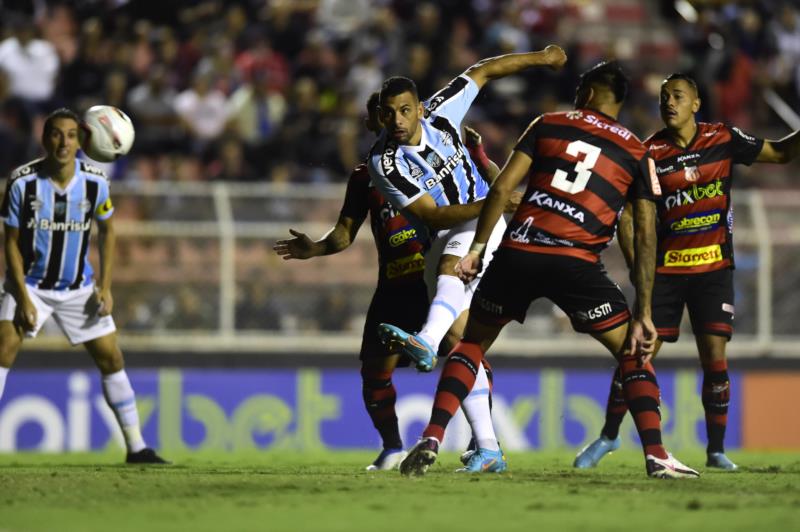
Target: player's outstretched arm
pixel 780 151
pixel 442 217
pixel 505 65
pixel 302 247
pixel 15 280
pixel 106 245
pixel 510 176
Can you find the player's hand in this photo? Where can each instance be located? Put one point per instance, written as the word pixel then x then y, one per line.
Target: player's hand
pixel 469 266
pixel 105 301
pixel 513 202
pixel 642 337
pixel 471 137
pixel 298 247
pixel 555 57
pixel 25 316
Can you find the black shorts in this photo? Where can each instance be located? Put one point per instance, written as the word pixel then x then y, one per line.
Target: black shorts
pixel 514 279
pixel 402 304
pixel 708 296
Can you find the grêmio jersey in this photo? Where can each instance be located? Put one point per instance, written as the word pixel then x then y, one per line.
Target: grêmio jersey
pixel 695 214
pixel 54 224
pixel 399 247
pixel 440 165
pixel 585 166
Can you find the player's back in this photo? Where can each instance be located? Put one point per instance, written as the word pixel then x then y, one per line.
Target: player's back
pixel 584 164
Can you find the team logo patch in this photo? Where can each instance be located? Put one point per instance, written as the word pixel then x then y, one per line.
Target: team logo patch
pixel 447 138
pixel 693 256
pixel 60 209
pixel 574 115
pixel 36 204
pixel 691 174
pixel 433 160
pixel 416 171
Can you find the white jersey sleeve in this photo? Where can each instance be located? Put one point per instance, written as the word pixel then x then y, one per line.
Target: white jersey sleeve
pixel 391 174
pixel 453 101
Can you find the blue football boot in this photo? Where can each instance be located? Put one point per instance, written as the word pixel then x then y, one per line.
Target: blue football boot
pixel 720 461
pixel 591 454
pixel 414 347
pixel 485 461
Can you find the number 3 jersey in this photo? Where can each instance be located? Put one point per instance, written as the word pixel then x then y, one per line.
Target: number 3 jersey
pixel 695 215
pixel 54 224
pixel 585 165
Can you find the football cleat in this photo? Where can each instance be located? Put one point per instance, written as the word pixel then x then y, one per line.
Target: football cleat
pixel 414 347
pixel 668 467
pixel 145 456
pixel 388 459
pixel 420 457
pixel 590 455
pixel 472 446
pixel 720 461
pixel 485 461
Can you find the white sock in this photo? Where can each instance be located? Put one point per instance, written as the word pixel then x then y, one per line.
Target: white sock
pixel 445 309
pixel 122 400
pixel 3 375
pixel 476 409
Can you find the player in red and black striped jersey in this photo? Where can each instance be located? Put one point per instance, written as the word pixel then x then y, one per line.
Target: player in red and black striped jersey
pixel 581 166
pixel 694 163
pixel 400 297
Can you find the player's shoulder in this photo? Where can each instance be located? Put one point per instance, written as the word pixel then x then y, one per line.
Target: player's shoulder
pixel 93 172
pixel 31 168
pixel 360 173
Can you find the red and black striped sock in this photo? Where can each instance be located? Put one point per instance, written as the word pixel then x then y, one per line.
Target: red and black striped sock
pixel 380 397
pixel 455 383
pixel 644 400
pixel 616 408
pixel 716 398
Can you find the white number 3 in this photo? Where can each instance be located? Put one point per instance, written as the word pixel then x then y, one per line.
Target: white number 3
pixel 582 168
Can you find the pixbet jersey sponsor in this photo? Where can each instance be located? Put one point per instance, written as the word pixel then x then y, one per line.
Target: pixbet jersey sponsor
pixel 687 196
pixel 693 256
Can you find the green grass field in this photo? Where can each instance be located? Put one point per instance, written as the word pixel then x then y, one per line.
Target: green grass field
pixel 331 491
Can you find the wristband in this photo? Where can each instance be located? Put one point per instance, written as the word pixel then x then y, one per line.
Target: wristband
pixel 478 155
pixel 477 247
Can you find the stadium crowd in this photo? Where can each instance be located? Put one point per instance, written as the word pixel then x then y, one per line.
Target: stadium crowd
pixel 240 91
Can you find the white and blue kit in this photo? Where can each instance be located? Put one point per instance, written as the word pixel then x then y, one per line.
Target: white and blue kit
pixel 54 233
pixel 440 166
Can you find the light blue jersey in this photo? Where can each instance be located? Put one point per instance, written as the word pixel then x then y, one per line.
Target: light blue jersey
pixel 54 224
pixel 440 165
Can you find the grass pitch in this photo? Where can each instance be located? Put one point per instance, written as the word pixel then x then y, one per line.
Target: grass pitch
pixel 331 491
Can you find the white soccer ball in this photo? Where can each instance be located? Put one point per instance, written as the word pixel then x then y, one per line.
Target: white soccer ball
pixel 106 133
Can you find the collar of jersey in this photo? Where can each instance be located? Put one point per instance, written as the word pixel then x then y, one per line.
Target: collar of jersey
pixel 71 182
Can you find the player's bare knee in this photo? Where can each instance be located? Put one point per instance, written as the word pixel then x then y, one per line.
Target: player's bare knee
pixel 106 354
pixel 447 265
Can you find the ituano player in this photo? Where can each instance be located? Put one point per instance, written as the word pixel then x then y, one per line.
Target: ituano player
pixel 694 162
pixel 580 166
pixel 48 210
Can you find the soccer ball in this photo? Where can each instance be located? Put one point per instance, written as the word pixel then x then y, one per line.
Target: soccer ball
pixel 106 133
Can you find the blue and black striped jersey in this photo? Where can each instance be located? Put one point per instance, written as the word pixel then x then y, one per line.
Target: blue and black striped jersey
pixel 440 165
pixel 55 224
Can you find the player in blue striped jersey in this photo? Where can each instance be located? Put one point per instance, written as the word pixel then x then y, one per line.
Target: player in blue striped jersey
pixel 421 166
pixel 48 210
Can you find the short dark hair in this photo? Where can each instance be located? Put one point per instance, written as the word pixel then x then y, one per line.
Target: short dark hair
pixel 685 77
pixel 398 85
pixel 62 112
pixel 373 101
pixel 609 74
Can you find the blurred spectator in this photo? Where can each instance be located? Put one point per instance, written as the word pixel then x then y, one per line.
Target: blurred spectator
pixel 31 64
pixel 256 308
pixel 152 103
pixel 202 110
